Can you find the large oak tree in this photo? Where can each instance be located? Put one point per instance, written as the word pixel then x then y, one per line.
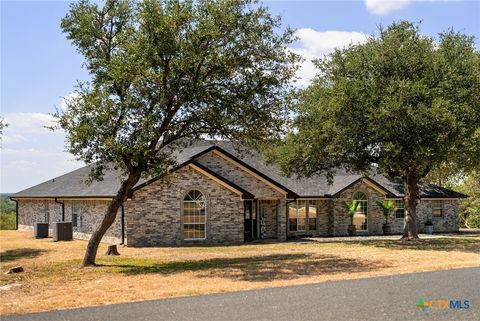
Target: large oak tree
pixel 165 72
pixel 400 104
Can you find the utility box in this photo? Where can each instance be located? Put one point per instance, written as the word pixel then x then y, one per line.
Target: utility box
pixel 62 231
pixel 40 230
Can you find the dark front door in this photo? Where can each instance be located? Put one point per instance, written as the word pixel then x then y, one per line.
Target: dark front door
pixel 250 214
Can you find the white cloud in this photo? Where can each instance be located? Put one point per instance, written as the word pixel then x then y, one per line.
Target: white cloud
pixel 31 153
pixel 25 167
pixel 27 123
pixel 384 7
pixel 317 44
pixel 68 99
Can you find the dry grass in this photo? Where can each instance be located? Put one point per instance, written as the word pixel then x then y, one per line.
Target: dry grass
pixel 52 279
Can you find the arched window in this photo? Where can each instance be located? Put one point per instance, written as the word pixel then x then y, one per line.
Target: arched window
pixel 360 219
pixel 194 211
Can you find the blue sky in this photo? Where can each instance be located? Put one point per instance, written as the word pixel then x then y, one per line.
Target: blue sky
pixel 39 66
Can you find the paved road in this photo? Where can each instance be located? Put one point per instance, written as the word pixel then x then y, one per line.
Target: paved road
pixel 380 298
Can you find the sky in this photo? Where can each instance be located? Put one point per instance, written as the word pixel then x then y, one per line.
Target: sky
pixel 40 68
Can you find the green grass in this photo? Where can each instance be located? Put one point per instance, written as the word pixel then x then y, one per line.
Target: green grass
pixel 7 221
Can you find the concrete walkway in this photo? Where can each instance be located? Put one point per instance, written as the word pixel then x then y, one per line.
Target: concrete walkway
pixel 359 238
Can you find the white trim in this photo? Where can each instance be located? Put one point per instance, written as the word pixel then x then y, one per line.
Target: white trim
pixel 227 186
pixel 373 186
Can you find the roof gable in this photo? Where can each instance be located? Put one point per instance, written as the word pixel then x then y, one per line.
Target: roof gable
pixel 73 184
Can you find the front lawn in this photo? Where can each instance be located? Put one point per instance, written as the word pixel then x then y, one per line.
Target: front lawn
pixel 52 279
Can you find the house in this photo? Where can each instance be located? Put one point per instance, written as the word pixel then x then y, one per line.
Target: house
pixel 218 195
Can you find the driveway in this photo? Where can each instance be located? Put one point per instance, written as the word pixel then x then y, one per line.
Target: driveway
pixel 379 298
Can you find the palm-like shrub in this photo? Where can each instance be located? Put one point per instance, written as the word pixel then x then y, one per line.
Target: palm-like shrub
pixel 351 209
pixel 387 207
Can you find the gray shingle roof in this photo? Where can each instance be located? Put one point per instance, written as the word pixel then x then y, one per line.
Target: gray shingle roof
pixel 73 184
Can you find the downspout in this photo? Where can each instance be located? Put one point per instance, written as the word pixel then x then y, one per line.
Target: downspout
pixel 63 208
pixel 123 225
pixel 16 212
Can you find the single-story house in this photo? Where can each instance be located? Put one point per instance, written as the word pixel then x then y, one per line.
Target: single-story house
pixel 219 195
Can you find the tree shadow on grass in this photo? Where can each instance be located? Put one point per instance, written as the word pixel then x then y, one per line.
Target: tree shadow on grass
pixel 442 244
pixel 259 268
pixel 16 254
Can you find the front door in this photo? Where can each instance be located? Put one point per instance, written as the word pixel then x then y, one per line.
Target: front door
pixel 250 215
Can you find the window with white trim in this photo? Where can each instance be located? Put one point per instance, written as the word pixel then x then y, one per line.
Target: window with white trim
pixel 360 218
pixel 437 208
pixel 194 215
pixel 399 209
pixel 302 216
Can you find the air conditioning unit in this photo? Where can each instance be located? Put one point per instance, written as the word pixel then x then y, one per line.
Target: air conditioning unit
pixel 40 230
pixel 62 231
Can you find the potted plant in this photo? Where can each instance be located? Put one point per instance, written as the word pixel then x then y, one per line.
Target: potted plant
pixel 429 226
pixel 351 210
pixel 387 207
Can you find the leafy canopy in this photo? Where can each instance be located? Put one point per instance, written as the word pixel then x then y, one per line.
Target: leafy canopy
pixel 164 72
pixel 402 102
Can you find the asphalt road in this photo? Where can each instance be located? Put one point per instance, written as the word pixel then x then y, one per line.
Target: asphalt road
pixel 380 298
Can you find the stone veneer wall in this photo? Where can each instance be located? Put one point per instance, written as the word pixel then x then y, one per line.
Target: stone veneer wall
pixel 154 215
pixel 323 217
pixel 90 213
pixel 374 212
pixel 447 223
pixel 269 209
pixel 236 175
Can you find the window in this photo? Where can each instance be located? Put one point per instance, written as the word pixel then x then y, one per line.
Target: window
pixel 292 216
pixel 399 209
pixel 194 212
pixel 360 218
pixel 297 216
pixel 437 208
pixel 312 215
pixel 47 212
pixel 76 214
pixel 302 214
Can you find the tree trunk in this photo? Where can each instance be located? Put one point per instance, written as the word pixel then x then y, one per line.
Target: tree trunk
pixel 412 196
pixel 112 250
pixel 109 218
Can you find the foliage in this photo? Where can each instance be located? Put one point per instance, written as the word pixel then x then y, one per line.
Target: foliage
pixel 169 71
pixel 3 124
pixel 470 207
pixel 351 209
pixel 387 206
pixel 166 72
pixel 7 213
pixel 400 104
pixel 467 183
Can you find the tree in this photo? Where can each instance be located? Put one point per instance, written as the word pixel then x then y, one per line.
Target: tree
pixel 470 207
pixel 3 124
pixel 165 72
pixel 399 104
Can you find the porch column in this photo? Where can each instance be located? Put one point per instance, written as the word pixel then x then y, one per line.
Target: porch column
pixel 282 220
